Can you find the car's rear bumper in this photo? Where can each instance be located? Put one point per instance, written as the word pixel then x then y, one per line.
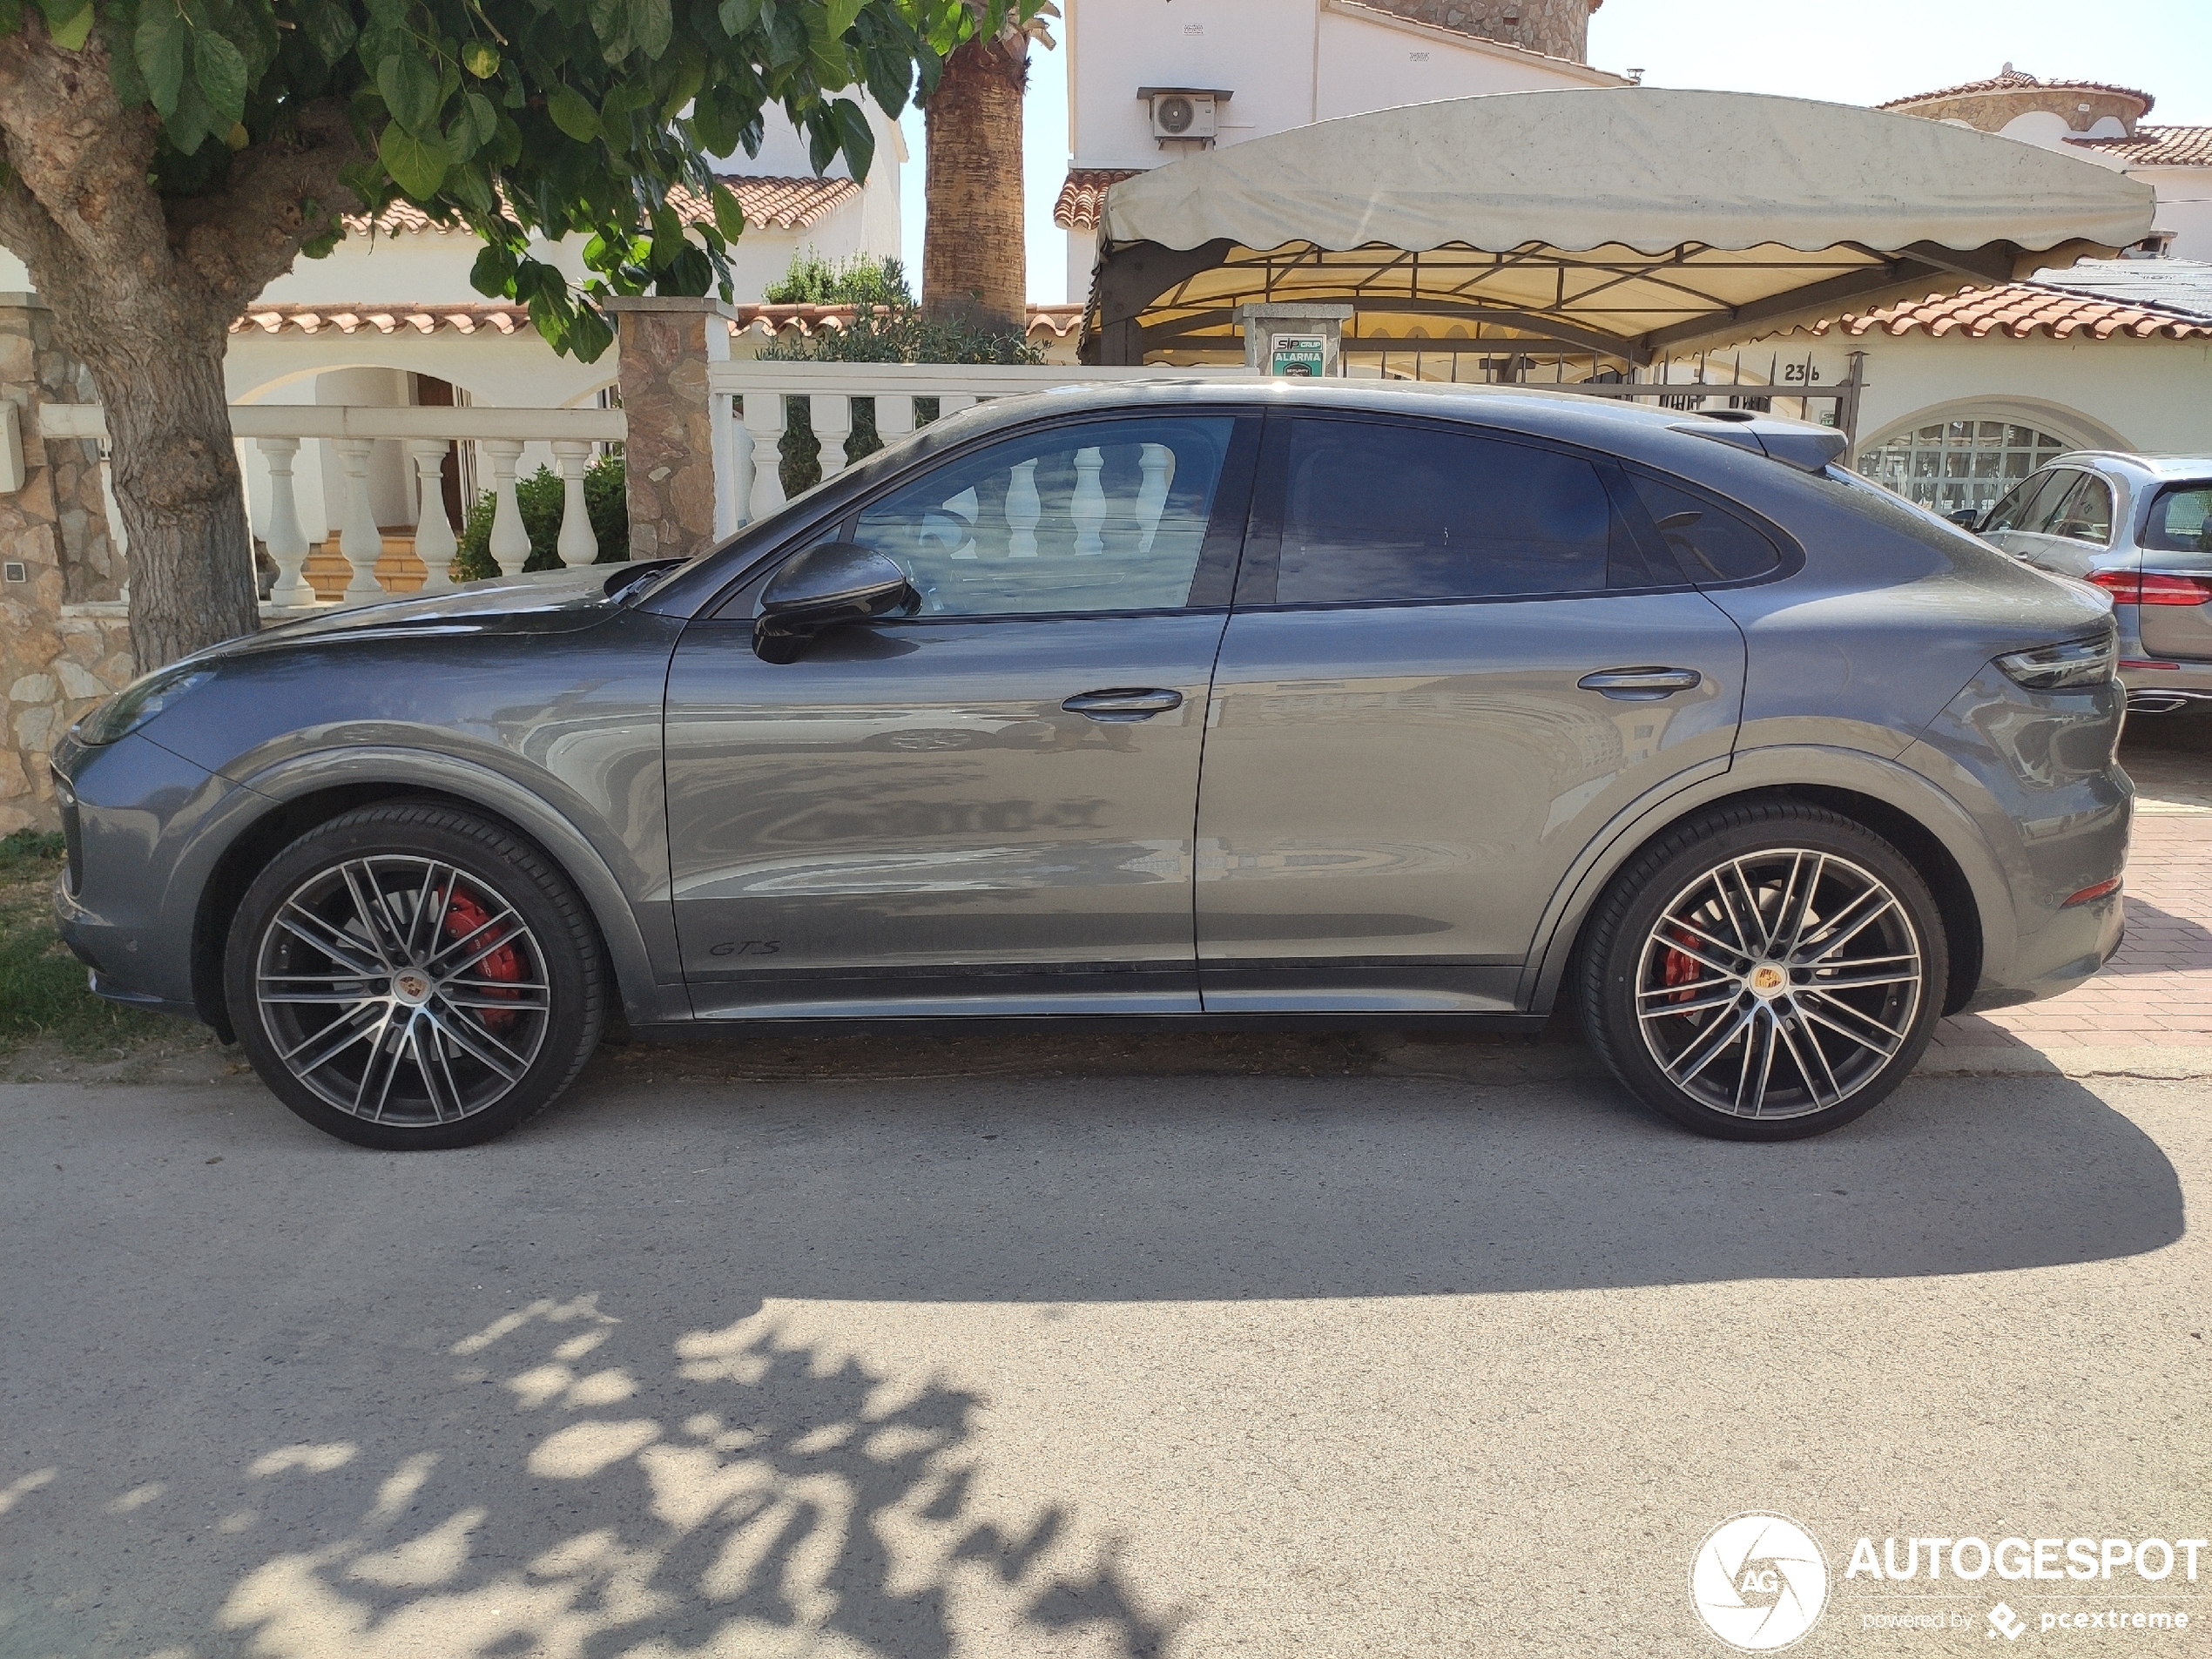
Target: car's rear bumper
pixel 2038 775
pixel 2158 685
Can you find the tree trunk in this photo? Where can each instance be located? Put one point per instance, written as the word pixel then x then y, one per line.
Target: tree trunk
pixel 144 291
pixel 974 256
pixel 177 482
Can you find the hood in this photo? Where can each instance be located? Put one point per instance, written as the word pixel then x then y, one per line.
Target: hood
pixel 545 602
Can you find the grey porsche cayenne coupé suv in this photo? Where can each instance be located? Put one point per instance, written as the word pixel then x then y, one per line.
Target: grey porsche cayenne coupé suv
pixel 1201 704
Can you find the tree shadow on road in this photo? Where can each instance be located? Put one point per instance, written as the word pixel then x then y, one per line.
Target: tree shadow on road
pixel 757 1497
pixel 570 1486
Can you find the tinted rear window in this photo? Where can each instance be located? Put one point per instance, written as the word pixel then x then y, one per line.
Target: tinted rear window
pixel 1376 512
pixel 2180 519
pixel 1709 542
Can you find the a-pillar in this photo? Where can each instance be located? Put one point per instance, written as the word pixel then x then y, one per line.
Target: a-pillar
pixel 678 448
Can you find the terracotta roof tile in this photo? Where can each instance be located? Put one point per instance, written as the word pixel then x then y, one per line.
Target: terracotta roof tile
pixel 2017 310
pixel 770 203
pixel 2156 148
pixel 1082 198
pixel 2009 79
pixel 492 316
pixel 1055 322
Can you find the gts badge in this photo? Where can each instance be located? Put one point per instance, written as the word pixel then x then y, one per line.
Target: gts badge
pixel 745 948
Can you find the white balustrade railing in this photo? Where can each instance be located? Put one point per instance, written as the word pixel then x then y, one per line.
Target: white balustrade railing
pixel 426 434
pixel 746 460
pixel 748 484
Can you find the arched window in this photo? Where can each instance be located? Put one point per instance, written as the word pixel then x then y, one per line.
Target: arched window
pixel 1954 464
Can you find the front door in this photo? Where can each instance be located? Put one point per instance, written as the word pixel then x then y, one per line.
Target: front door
pixel 985 806
pixel 2073 535
pixel 1450 661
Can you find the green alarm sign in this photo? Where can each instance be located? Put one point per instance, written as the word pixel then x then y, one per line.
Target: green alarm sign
pixel 1304 356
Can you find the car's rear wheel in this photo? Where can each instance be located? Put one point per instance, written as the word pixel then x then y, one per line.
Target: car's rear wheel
pixel 1765 972
pixel 412 977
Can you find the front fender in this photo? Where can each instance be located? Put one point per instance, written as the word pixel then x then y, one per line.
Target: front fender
pixel 1951 821
pixel 639 931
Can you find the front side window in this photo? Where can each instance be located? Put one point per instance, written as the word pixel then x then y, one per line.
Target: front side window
pixel 2087 515
pixel 1379 513
pixel 1104 516
pixel 2009 512
pixel 2042 509
pixel 2180 519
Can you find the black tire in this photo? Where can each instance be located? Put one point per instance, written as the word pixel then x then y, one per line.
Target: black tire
pixel 453 942
pixel 1679 987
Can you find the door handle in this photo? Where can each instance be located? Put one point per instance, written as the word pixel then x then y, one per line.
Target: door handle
pixel 1122 705
pixel 1640 684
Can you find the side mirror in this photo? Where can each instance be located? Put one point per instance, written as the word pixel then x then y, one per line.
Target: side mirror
pixel 1967 518
pixel 825 587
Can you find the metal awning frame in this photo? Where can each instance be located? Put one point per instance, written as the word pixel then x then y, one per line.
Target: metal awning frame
pixel 1146 298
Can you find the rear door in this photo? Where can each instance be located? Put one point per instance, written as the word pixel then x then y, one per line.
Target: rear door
pixel 1451 660
pixel 987 806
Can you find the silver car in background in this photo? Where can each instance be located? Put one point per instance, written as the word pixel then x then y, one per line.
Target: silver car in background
pixel 2140 528
pixel 1220 705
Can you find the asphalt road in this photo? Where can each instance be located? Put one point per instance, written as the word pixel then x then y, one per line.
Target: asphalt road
pixel 1180 1361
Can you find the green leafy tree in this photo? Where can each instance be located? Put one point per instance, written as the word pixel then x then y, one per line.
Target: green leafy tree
pixel 162 161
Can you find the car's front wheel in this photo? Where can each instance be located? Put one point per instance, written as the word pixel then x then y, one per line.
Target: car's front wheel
pixel 411 977
pixel 1764 973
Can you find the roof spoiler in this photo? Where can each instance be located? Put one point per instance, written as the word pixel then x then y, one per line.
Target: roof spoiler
pixel 1795 443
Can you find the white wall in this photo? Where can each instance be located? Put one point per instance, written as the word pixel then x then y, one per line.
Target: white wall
pixel 1263 51
pixel 2144 395
pixel 1290 63
pixel 1367 65
pixel 2184 207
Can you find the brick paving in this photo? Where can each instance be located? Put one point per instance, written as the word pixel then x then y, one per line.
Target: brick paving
pixel 2157 992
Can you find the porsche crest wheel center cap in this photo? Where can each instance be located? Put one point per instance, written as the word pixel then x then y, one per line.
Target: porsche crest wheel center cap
pixel 1769 979
pixel 411 988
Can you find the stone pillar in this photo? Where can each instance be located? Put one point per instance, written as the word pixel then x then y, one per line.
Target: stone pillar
pixel 676 443
pixel 1287 332
pixel 64 638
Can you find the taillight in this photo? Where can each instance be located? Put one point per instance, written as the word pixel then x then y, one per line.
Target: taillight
pixel 2071 666
pixel 2154 588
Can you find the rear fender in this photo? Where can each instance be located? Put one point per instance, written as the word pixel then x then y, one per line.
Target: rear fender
pixel 1770 771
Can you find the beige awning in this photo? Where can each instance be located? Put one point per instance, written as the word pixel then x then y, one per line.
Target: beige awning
pixel 1627 220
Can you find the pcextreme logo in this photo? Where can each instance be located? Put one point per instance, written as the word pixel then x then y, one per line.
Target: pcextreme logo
pixel 1759 1581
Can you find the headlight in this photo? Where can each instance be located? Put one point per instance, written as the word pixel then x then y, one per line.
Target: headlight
pixel 2074 665
pixel 139 702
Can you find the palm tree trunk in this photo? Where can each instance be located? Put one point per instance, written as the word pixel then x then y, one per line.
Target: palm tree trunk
pixel 974 259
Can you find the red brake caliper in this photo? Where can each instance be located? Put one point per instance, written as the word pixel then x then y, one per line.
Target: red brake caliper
pixel 464 916
pixel 1678 968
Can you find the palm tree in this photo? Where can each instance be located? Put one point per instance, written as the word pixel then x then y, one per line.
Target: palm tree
pixel 972 258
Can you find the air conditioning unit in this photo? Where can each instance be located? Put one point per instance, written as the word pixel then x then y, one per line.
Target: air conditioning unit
pixel 1183 114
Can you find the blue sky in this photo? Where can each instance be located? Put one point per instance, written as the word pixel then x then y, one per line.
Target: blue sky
pixel 1862 52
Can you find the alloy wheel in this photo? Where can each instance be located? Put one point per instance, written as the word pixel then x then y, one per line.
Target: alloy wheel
pixel 402 990
pixel 1779 983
